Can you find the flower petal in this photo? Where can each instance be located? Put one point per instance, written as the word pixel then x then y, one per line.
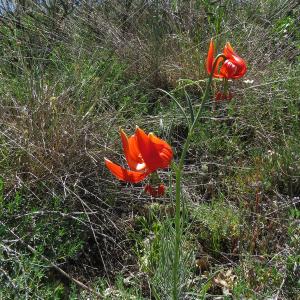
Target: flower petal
pixel 237 60
pixel 216 71
pixel 163 148
pixel 228 69
pixel 210 61
pixel 132 152
pixel 123 174
pixel 228 50
pixel 241 67
pixel 144 146
pixel 210 57
pixel 156 153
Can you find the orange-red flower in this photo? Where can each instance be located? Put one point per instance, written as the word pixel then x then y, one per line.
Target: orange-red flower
pixel 144 155
pixel 233 66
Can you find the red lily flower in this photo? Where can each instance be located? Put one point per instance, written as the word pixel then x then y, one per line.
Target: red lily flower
pixel 144 154
pixel 233 66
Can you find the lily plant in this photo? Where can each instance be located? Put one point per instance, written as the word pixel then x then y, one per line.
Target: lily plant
pixel 145 154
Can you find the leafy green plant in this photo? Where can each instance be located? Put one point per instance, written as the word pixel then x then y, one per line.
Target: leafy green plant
pixel 26 272
pixel 216 223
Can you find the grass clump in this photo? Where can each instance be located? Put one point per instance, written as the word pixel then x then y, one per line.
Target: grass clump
pixel 216 225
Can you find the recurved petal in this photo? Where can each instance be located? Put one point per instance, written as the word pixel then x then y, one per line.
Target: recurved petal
pixel 123 174
pixel 240 74
pixel 237 60
pixel 156 153
pixel 216 70
pixel 241 66
pixel 132 152
pixel 210 57
pixel 228 50
pixel 228 69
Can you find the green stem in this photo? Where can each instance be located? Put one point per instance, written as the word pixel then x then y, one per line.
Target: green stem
pixel 225 86
pixel 178 227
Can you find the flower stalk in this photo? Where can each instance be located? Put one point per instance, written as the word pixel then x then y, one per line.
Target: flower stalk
pixel 178 170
